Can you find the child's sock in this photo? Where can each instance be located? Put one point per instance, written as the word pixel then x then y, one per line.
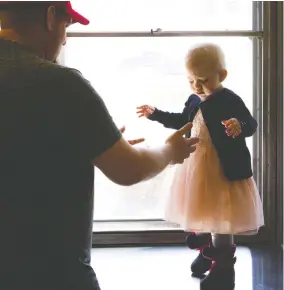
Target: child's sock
pixel 222 241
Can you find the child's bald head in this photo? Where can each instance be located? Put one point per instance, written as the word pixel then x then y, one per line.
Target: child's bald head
pixel 207 56
pixel 206 69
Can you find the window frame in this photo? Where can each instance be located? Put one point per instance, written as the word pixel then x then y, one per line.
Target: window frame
pixel 267 37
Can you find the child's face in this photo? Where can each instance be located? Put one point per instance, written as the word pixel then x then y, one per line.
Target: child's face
pixel 204 80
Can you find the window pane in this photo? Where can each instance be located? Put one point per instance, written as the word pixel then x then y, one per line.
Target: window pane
pixel 133 71
pixel 179 15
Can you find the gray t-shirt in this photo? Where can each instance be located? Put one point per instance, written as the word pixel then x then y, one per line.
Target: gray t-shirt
pixel 52 125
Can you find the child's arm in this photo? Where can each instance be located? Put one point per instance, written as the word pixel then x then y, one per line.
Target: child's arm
pixel 247 123
pixel 170 120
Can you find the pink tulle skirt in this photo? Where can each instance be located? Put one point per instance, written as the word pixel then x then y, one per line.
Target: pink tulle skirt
pixel 202 199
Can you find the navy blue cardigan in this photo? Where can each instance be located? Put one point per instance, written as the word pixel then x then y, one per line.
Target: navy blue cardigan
pixel 233 153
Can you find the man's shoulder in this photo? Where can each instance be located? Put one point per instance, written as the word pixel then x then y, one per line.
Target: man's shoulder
pixel 61 80
pixel 57 73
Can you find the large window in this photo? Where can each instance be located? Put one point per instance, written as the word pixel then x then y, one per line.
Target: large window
pixel 133 53
pixel 128 72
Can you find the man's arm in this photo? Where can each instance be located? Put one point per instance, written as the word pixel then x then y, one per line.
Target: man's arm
pixel 126 165
pixel 101 141
pixel 133 141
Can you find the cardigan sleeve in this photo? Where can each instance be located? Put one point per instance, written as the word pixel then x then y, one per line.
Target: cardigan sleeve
pixel 243 115
pixel 172 120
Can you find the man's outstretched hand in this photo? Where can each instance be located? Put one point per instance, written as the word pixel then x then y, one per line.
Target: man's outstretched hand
pixel 180 146
pixel 134 141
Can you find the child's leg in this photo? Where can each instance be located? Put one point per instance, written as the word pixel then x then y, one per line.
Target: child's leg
pixel 221 241
pixel 196 241
pixel 222 255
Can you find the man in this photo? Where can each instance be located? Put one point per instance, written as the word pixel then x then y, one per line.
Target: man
pixel 54 129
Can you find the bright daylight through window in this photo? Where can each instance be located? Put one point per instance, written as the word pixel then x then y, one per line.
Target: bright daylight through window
pixel 131 71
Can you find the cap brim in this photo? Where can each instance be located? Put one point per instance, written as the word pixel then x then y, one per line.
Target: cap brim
pixel 76 17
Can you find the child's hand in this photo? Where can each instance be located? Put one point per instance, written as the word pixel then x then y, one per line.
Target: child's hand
pixel 233 127
pixel 145 111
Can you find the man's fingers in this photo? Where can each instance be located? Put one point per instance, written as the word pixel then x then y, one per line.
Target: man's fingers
pixel 122 129
pixel 185 129
pixel 192 149
pixel 136 141
pixel 192 141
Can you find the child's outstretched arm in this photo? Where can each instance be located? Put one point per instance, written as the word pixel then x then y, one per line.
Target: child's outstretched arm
pixel 244 120
pixel 169 120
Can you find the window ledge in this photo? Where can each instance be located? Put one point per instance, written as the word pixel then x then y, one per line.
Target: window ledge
pixel 133 226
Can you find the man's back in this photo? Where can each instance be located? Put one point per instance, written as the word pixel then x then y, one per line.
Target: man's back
pixel 46 180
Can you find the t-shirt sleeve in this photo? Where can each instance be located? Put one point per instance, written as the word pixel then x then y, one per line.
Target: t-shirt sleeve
pixel 90 124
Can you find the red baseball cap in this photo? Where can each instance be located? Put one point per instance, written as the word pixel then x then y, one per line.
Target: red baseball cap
pixel 76 17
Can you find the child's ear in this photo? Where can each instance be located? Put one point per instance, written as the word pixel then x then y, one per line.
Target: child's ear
pixel 223 75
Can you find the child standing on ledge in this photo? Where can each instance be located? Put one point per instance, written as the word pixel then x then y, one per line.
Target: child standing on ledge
pixel 213 194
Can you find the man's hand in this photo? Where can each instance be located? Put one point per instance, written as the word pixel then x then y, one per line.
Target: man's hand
pixel 134 141
pixel 127 165
pixel 180 146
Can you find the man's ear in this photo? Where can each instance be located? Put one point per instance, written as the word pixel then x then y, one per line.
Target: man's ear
pixel 223 75
pixel 50 18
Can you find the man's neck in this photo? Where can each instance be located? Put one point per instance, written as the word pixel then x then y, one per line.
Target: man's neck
pixel 10 34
